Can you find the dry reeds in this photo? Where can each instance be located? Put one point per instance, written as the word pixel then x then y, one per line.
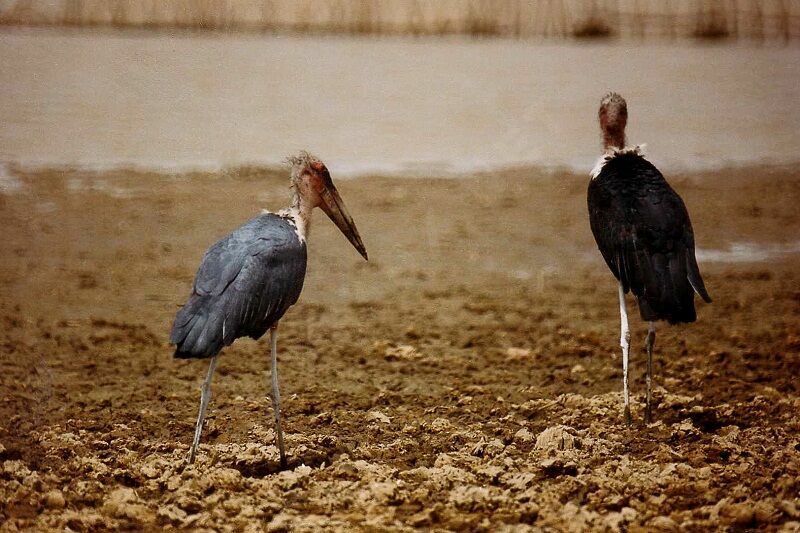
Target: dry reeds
pixel 481 19
pixel 596 24
pixel 711 21
pixel 671 19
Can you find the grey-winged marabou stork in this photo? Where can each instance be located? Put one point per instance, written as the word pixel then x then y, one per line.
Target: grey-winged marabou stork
pixel 643 230
pixel 249 279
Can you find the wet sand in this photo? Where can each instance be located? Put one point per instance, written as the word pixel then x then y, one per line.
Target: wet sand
pixel 466 378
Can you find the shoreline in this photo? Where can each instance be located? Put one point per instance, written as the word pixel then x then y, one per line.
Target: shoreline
pixel 439 171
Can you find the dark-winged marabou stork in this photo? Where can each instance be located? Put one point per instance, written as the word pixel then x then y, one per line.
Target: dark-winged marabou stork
pixel 249 279
pixel 644 233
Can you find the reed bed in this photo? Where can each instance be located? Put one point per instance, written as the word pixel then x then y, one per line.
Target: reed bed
pixel 563 19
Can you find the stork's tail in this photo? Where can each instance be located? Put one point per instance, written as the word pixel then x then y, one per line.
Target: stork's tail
pixel 694 277
pixel 669 293
pixel 197 331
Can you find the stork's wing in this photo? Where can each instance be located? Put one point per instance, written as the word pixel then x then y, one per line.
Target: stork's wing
pixel 245 284
pixel 643 231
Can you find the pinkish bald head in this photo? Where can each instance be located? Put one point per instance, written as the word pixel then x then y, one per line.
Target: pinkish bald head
pixel 613 117
pixel 313 185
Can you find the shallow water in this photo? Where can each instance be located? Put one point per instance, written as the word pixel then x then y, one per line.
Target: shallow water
pixel 748 252
pixel 8 182
pixel 395 105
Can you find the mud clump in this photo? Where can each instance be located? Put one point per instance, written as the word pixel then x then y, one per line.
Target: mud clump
pixel 557 438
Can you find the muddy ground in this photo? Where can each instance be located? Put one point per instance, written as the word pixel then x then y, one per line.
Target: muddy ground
pixel 467 378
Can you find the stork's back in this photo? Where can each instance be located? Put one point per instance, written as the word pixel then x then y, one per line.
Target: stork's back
pixel 643 230
pixel 244 285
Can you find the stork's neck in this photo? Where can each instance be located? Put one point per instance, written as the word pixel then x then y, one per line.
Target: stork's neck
pixel 613 139
pixel 613 116
pixel 300 214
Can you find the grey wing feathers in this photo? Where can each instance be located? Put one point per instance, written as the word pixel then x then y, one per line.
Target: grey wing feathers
pixel 245 283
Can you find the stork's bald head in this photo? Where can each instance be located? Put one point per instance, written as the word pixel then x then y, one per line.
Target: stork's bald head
pixel 307 169
pixel 613 115
pixel 314 188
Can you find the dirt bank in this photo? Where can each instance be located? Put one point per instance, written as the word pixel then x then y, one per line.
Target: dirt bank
pixel 466 378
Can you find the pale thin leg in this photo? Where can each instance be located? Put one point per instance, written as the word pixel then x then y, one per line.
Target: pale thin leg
pixel 649 343
pixel 205 396
pixel 276 394
pixel 625 343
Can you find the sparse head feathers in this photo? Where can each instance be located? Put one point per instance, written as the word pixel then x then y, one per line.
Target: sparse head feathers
pixel 614 98
pixel 303 158
pixel 302 161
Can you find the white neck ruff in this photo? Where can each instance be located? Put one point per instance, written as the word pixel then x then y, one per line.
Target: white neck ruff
pixel 613 152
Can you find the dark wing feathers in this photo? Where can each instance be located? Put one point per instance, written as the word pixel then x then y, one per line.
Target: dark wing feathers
pixel 693 273
pixel 245 283
pixel 643 231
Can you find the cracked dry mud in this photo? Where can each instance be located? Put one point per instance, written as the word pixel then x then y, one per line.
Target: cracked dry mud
pixel 466 378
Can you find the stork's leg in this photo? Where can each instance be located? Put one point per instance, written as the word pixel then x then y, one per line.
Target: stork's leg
pixel 625 343
pixel 205 395
pixel 276 394
pixel 649 343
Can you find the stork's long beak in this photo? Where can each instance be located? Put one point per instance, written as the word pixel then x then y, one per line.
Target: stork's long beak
pixel 334 207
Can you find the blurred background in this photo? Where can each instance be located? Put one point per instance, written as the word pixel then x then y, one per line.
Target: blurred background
pixel 405 86
pixel 705 19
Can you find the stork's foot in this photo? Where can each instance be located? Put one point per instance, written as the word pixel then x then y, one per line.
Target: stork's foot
pixel 281 447
pixel 279 434
pixel 628 415
pixel 648 415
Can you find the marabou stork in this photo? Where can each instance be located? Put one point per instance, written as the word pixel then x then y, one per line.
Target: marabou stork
pixel 249 279
pixel 643 230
